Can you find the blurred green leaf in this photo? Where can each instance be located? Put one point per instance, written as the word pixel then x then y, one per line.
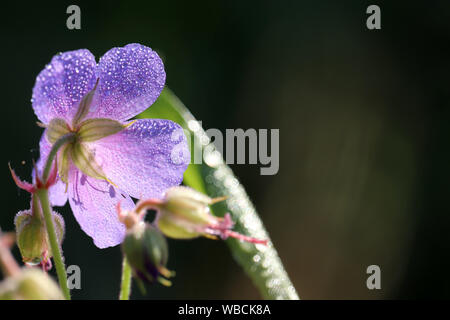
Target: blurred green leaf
pixel 215 178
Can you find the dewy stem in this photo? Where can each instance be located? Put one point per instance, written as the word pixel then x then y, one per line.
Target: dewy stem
pixel 125 287
pixel 42 194
pixel 58 144
pixel 54 245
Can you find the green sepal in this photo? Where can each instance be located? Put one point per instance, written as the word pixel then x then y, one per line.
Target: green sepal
pixel 84 160
pixel 56 129
pixel 84 107
pixel 176 227
pixel 98 128
pixel 189 204
pixel 63 160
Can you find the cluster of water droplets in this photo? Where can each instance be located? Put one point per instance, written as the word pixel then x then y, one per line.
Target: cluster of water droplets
pixel 131 79
pixel 61 85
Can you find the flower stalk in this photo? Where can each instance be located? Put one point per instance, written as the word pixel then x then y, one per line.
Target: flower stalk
pixel 69 137
pixel 125 287
pixel 42 194
pixel 54 245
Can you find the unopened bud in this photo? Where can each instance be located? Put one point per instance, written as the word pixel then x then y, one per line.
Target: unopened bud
pixel 185 214
pixel 32 238
pixel 30 284
pixel 147 252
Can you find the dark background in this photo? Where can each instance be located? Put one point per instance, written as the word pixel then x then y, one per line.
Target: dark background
pixel 364 133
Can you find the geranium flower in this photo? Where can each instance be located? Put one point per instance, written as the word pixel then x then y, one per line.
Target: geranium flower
pixel 110 159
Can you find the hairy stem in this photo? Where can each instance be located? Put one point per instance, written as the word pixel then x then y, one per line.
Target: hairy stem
pixel 47 212
pixel 54 245
pixel 125 287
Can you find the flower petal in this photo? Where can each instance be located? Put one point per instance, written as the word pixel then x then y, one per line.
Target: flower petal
pixel 93 204
pixel 130 80
pixel 57 192
pixel 146 158
pixel 62 83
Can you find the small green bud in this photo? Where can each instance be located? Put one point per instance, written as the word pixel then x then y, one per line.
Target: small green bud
pixel 84 106
pixel 147 252
pixel 185 213
pixel 30 284
pixel 32 238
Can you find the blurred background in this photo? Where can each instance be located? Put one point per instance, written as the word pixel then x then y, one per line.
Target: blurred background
pixel 364 129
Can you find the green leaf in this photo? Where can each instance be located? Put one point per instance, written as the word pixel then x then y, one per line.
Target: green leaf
pixel 215 178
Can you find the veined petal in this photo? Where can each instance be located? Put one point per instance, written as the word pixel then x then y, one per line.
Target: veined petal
pixel 146 158
pixel 57 192
pixel 93 204
pixel 130 80
pixel 61 85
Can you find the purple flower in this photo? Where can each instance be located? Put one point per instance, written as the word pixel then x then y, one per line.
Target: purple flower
pixel 110 159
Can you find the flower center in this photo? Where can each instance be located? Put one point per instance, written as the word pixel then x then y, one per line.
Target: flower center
pixel 77 151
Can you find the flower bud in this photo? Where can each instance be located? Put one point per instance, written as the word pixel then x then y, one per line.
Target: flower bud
pixel 185 214
pixel 30 284
pixel 147 252
pixel 32 238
